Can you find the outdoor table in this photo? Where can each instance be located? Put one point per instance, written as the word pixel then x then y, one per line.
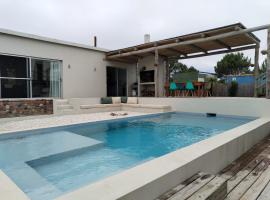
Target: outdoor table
pixel 199 86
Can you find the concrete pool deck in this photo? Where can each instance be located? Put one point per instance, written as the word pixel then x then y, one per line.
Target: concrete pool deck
pixel 9 125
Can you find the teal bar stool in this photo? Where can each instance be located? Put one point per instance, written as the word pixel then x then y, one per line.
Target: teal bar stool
pixel 173 88
pixel 189 88
pixel 181 89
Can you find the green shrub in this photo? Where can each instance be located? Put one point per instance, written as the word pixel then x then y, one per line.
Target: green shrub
pixel 233 89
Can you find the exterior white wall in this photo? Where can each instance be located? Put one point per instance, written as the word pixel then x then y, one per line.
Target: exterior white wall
pixel 257 107
pixel 149 63
pixel 81 80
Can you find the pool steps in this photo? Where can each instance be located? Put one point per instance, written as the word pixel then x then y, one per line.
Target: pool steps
pixel 63 106
pixel 22 167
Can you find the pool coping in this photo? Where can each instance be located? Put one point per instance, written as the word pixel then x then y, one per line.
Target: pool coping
pixel 151 179
pixel 12 133
pixel 9 190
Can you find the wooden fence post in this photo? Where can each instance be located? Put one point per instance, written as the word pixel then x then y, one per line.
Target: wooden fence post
pixel 256 70
pixel 268 66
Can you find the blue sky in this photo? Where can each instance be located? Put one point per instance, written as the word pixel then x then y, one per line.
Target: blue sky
pixel 122 23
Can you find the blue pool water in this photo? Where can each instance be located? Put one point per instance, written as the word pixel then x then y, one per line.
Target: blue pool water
pixel 51 162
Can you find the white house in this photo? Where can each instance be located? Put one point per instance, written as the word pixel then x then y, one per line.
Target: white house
pixel 33 66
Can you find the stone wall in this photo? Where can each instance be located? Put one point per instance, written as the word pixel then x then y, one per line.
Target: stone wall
pixel 25 107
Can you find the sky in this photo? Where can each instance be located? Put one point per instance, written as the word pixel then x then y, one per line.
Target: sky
pixel 122 23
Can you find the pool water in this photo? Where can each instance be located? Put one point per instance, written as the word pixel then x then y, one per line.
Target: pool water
pixel 54 161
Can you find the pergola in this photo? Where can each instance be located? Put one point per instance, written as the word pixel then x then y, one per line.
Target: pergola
pixel 226 39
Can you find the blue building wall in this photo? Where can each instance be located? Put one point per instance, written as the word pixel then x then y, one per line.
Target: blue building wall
pixel 244 79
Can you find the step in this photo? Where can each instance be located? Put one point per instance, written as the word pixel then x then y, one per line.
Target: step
pixel 64 107
pixel 61 101
pixel 65 111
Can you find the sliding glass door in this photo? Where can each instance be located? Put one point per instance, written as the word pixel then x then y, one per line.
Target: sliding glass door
pixel 46 78
pixel 116 82
pixel 22 77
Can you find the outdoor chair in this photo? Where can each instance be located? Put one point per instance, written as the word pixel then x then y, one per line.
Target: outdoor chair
pixel 189 88
pixel 181 89
pixel 173 89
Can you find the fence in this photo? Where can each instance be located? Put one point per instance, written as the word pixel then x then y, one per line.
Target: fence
pixel 222 90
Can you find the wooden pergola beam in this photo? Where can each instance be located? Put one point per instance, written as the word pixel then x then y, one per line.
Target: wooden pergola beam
pixel 247 34
pixel 195 41
pixel 218 41
pixel 198 48
pixel 218 52
pixel 123 60
pixel 194 46
pixel 223 44
pixel 177 51
pixel 160 55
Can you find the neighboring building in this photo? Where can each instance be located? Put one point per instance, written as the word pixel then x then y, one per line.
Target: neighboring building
pixel 193 76
pixel 247 79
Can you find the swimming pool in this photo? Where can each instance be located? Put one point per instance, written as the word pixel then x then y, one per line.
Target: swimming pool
pixel 47 163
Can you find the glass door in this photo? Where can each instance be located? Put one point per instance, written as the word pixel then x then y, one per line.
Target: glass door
pixel 46 78
pixel 116 82
pixel 122 82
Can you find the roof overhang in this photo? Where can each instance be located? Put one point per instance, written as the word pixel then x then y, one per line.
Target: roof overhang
pixel 231 38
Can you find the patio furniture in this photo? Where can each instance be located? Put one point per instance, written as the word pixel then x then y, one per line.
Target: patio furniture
pixel 181 88
pixel 131 104
pixel 189 88
pixel 173 89
pixel 199 88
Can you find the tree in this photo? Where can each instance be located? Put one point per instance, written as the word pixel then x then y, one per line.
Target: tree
pixel 175 67
pixel 263 66
pixel 233 63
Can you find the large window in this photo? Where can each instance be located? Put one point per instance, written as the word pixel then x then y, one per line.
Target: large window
pixel 22 77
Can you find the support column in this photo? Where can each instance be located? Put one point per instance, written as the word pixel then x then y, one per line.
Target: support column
pixel 268 66
pixel 256 69
pixel 138 78
pixel 167 79
pixel 157 73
